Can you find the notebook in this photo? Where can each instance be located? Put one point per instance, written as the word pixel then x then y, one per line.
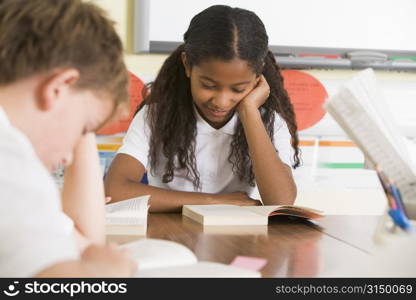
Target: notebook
pixel 227 214
pixel 127 217
pixel 162 258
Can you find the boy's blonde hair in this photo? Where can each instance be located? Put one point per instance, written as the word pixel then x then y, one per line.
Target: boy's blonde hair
pixel 40 36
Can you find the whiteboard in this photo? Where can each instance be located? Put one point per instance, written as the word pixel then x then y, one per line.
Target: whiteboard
pixel 363 24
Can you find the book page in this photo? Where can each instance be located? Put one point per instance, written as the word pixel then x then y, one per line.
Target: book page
pixel 156 253
pixel 128 212
pixel 364 87
pixel 291 210
pixel 219 210
pixel 201 270
pixel 365 127
pixel 265 210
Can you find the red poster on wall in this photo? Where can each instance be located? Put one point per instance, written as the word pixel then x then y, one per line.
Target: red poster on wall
pixel 307 95
pixel 136 86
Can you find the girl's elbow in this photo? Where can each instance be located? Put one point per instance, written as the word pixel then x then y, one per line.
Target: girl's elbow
pixel 292 194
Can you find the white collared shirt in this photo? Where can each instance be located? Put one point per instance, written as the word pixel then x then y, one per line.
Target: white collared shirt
pixel 34 232
pixel 211 155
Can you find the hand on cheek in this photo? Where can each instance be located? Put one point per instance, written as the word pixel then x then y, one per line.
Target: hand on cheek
pixel 256 97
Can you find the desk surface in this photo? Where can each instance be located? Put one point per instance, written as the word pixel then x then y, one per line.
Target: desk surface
pixel 292 248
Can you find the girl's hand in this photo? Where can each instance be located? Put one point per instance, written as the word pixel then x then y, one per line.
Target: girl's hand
pixel 256 97
pixel 236 198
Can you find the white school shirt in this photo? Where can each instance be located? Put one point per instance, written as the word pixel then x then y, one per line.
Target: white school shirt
pixel 34 232
pixel 211 155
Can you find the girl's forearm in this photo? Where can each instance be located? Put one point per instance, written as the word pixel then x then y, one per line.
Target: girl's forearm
pixel 273 177
pixel 163 200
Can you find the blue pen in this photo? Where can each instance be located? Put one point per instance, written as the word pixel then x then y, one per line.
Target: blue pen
pixel 397 197
pixel 399 215
pixel 400 219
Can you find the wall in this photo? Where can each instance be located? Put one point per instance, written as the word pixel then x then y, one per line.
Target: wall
pixel 400 87
pixel 381 24
pixel 121 11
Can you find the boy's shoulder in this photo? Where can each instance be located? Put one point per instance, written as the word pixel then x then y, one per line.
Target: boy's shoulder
pixel 19 163
pixel 15 148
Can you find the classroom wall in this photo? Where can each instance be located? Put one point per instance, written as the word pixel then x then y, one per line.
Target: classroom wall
pixel 121 11
pixel 381 24
pixel 400 88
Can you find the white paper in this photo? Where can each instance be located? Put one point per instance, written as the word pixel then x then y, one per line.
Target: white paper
pixel 128 212
pixel 360 110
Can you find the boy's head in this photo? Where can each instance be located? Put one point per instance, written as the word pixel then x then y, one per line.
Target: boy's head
pixel 61 67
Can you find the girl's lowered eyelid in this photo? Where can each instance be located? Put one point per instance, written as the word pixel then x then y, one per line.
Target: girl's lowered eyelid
pixel 207 85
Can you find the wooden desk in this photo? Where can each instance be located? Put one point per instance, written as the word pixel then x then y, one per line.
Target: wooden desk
pixel 292 248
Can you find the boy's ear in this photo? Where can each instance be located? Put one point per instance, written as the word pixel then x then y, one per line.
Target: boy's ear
pixel 56 87
pixel 185 64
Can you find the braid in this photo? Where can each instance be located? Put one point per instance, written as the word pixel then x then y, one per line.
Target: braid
pixel 170 115
pixel 281 101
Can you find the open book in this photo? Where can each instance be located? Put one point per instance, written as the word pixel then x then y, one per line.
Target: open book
pixel 162 258
pixel 227 214
pixel 361 111
pixel 127 217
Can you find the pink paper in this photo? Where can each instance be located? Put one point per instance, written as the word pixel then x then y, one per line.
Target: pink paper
pixel 250 263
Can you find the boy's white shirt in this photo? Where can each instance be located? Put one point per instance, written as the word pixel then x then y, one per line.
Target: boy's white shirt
pixel 34 231
pixel 211 154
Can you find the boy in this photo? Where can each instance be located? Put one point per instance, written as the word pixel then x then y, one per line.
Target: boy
pixel 62 76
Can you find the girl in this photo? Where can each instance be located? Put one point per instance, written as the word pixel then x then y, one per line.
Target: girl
pixel 217 123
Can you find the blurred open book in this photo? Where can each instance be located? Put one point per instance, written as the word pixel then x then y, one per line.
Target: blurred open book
pixel 127 217
pixel 359 108
pixel 162 258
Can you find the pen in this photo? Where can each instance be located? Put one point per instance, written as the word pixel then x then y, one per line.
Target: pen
pixel 400 219
pixel 397 196
pixel 399 214
pixel 392 203
pixel 397 210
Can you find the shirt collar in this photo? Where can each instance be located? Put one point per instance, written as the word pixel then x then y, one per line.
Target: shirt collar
pixel 204 127
pixel 4 120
